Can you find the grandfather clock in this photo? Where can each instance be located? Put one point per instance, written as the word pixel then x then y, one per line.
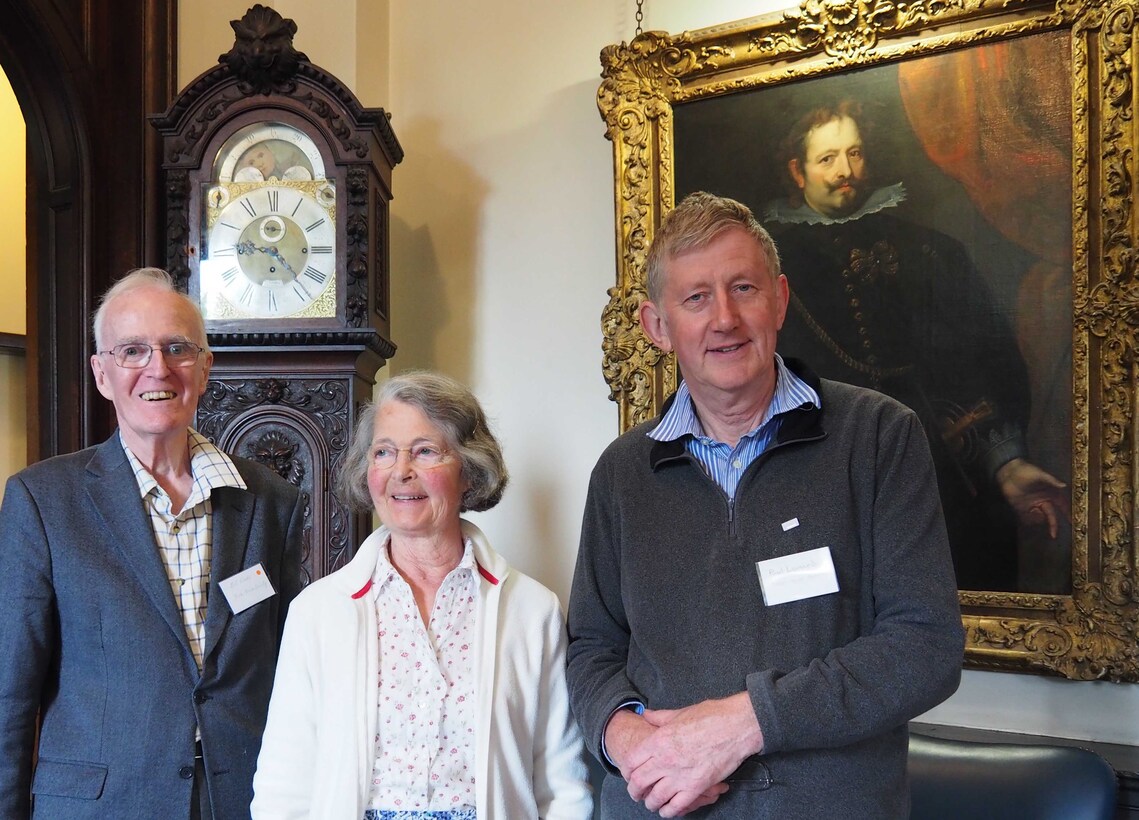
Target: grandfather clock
pixel 277 190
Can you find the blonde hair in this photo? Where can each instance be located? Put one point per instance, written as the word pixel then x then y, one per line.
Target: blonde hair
pixel 693 224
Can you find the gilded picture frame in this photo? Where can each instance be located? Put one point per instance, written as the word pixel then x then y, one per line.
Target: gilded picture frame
pixel 673 105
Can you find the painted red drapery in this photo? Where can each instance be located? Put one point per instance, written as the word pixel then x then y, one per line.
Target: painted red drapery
pixel 998 119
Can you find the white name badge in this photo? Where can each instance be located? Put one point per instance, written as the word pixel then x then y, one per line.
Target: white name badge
pixel 246 588
pixel 795 577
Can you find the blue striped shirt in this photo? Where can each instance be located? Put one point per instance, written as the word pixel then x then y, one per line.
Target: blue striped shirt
pixel 726 465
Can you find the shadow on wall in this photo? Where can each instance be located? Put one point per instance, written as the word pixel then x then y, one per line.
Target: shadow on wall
pixel 552 559
pixel 547 259
pixel 434 230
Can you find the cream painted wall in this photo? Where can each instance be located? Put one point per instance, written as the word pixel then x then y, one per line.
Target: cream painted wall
pixel 502 251
pixel 204 34
pixel 13 275
pixel 13 283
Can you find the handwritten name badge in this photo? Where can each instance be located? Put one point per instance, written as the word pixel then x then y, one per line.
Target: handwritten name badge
pixel 246 588
pixel 795 577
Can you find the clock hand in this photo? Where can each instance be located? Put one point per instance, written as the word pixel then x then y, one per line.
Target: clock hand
pixel 247 247
pixel 273 252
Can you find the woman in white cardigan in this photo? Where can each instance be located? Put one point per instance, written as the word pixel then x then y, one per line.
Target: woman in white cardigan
pixel 425 679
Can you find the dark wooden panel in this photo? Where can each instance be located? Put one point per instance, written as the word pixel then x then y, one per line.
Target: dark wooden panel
pixel 13 344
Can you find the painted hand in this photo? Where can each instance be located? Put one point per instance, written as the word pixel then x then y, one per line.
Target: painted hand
pixel 1036 496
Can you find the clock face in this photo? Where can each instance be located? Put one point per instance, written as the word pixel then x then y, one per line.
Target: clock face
pixel 271 251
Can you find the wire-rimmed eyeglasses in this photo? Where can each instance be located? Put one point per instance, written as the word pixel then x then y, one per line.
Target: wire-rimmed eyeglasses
pixel 423 456
pixel 136 355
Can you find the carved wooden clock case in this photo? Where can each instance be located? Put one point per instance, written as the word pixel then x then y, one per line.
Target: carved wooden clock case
pixel 277 190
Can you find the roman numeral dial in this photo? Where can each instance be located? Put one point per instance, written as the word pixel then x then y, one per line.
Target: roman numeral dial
pixel 271 251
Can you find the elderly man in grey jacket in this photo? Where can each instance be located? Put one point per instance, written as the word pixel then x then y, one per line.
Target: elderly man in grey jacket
pixel 144 584
pixel 764 594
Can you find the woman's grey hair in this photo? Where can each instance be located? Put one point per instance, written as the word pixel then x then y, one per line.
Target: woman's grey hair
pixel 154 279
pixel 456 412
pixel 693 224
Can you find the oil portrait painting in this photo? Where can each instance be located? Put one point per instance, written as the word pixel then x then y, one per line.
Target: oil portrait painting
pixel 923 215
pixel 951 187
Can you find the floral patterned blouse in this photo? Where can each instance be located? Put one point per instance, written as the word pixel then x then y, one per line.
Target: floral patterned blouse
pixel 425 743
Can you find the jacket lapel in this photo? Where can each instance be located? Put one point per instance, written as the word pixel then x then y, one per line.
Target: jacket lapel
pixel 113 491
pixel 232 520
pixel 489 575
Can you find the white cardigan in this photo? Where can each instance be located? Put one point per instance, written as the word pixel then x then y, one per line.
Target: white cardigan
pixel 318 749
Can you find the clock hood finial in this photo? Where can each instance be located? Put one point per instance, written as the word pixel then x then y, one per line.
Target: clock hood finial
pixel 263 58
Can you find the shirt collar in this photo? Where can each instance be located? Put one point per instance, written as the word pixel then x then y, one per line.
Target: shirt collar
pixel 210 467
pixel 681 419
pixel 385 571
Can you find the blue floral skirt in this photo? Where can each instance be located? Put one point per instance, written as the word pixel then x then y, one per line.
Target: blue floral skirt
pixel 386 814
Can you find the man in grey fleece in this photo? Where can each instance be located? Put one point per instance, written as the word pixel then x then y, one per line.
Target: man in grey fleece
pixel 764 594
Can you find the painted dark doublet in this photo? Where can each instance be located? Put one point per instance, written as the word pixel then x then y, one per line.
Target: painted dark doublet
pixel 884 303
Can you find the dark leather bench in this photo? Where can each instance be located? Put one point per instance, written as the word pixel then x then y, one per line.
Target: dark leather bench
pixel 956 779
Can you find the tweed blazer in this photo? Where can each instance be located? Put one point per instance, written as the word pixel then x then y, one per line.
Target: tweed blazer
pixel 93 642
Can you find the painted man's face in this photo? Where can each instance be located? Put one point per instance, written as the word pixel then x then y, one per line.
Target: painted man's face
pixel 833 178
pixel 261 158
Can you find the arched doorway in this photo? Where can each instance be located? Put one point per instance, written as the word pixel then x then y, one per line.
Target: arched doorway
pixel 13 282
pixel 85 75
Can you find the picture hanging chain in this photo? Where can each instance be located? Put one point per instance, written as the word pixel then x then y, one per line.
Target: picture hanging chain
pixel 640 17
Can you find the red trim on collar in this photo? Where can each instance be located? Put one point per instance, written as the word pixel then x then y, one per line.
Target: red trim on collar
pixel 364 589
pixel 486 574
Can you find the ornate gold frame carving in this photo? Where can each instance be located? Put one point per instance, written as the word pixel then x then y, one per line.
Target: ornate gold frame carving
pixel 1093 633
